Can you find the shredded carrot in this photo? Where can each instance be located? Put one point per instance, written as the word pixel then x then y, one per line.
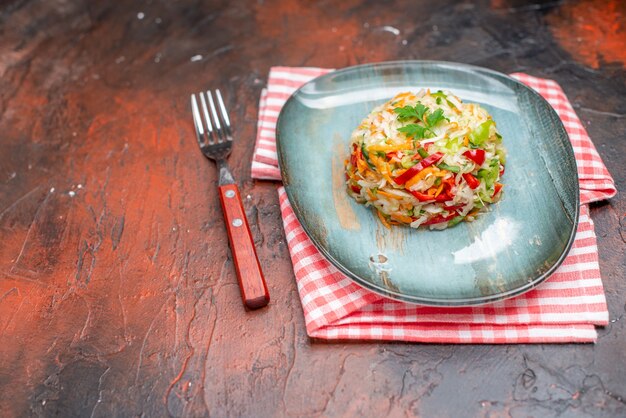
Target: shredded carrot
pixel 390 147
pixel 474 212
pixel 361 165
pixel 416 178
pixel 370 175
pixel 439 190
pixel 383 168
pixel 404 98
pixel 400 171
pixel 387 177
pixel 466 141
pixel 382 219
pixel 402 218
pixel 389 195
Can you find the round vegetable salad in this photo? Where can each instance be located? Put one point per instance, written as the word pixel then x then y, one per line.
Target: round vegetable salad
pixel 426 159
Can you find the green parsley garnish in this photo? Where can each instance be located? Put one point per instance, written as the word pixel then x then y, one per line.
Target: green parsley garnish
pixel 413 130
pixel 420 109
pixel 410 112
pixel 434 118
pixel 405 113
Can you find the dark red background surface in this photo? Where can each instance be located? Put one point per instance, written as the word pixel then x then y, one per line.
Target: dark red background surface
pixel 117 290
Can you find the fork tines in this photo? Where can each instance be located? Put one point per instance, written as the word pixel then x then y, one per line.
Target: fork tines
pixel 211 126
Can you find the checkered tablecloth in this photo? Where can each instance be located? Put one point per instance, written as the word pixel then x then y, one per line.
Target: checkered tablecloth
pixel 565 308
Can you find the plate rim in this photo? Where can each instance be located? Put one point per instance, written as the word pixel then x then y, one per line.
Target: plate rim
pixel 425 301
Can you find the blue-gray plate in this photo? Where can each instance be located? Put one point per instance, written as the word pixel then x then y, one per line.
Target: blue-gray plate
pixel 510 249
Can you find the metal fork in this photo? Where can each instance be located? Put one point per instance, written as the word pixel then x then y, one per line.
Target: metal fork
pixel 215 140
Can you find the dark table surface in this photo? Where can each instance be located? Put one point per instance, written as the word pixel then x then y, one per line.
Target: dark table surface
pixel 117 290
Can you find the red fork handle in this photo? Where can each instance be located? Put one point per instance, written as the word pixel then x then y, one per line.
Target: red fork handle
pixel 251 281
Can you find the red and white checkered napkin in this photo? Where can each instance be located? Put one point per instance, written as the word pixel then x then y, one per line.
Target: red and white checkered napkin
pixel 564 308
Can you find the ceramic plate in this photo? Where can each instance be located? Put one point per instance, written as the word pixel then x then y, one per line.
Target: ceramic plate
pixel 506 251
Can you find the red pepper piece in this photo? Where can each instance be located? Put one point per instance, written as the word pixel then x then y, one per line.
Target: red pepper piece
pixel 497 189
pixel 428 161
pixel 476 155
pixel 443 197
pixel 439 219
pixel 501 170
pixel 422 197
pixel 355 189
pixel 397 154
pixel 472 181
pixel 454 207
pixel 353 159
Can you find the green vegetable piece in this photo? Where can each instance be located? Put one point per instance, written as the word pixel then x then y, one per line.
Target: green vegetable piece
pixel 455 220
pixel 489 175
pixel 481 134
pixel 502 156
pixel 485 197
pixel 366 155
pixel 440 96
pixel 381 154
pixel 453 144
pixel 407 162
pixel 453 168
pixel 422 152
